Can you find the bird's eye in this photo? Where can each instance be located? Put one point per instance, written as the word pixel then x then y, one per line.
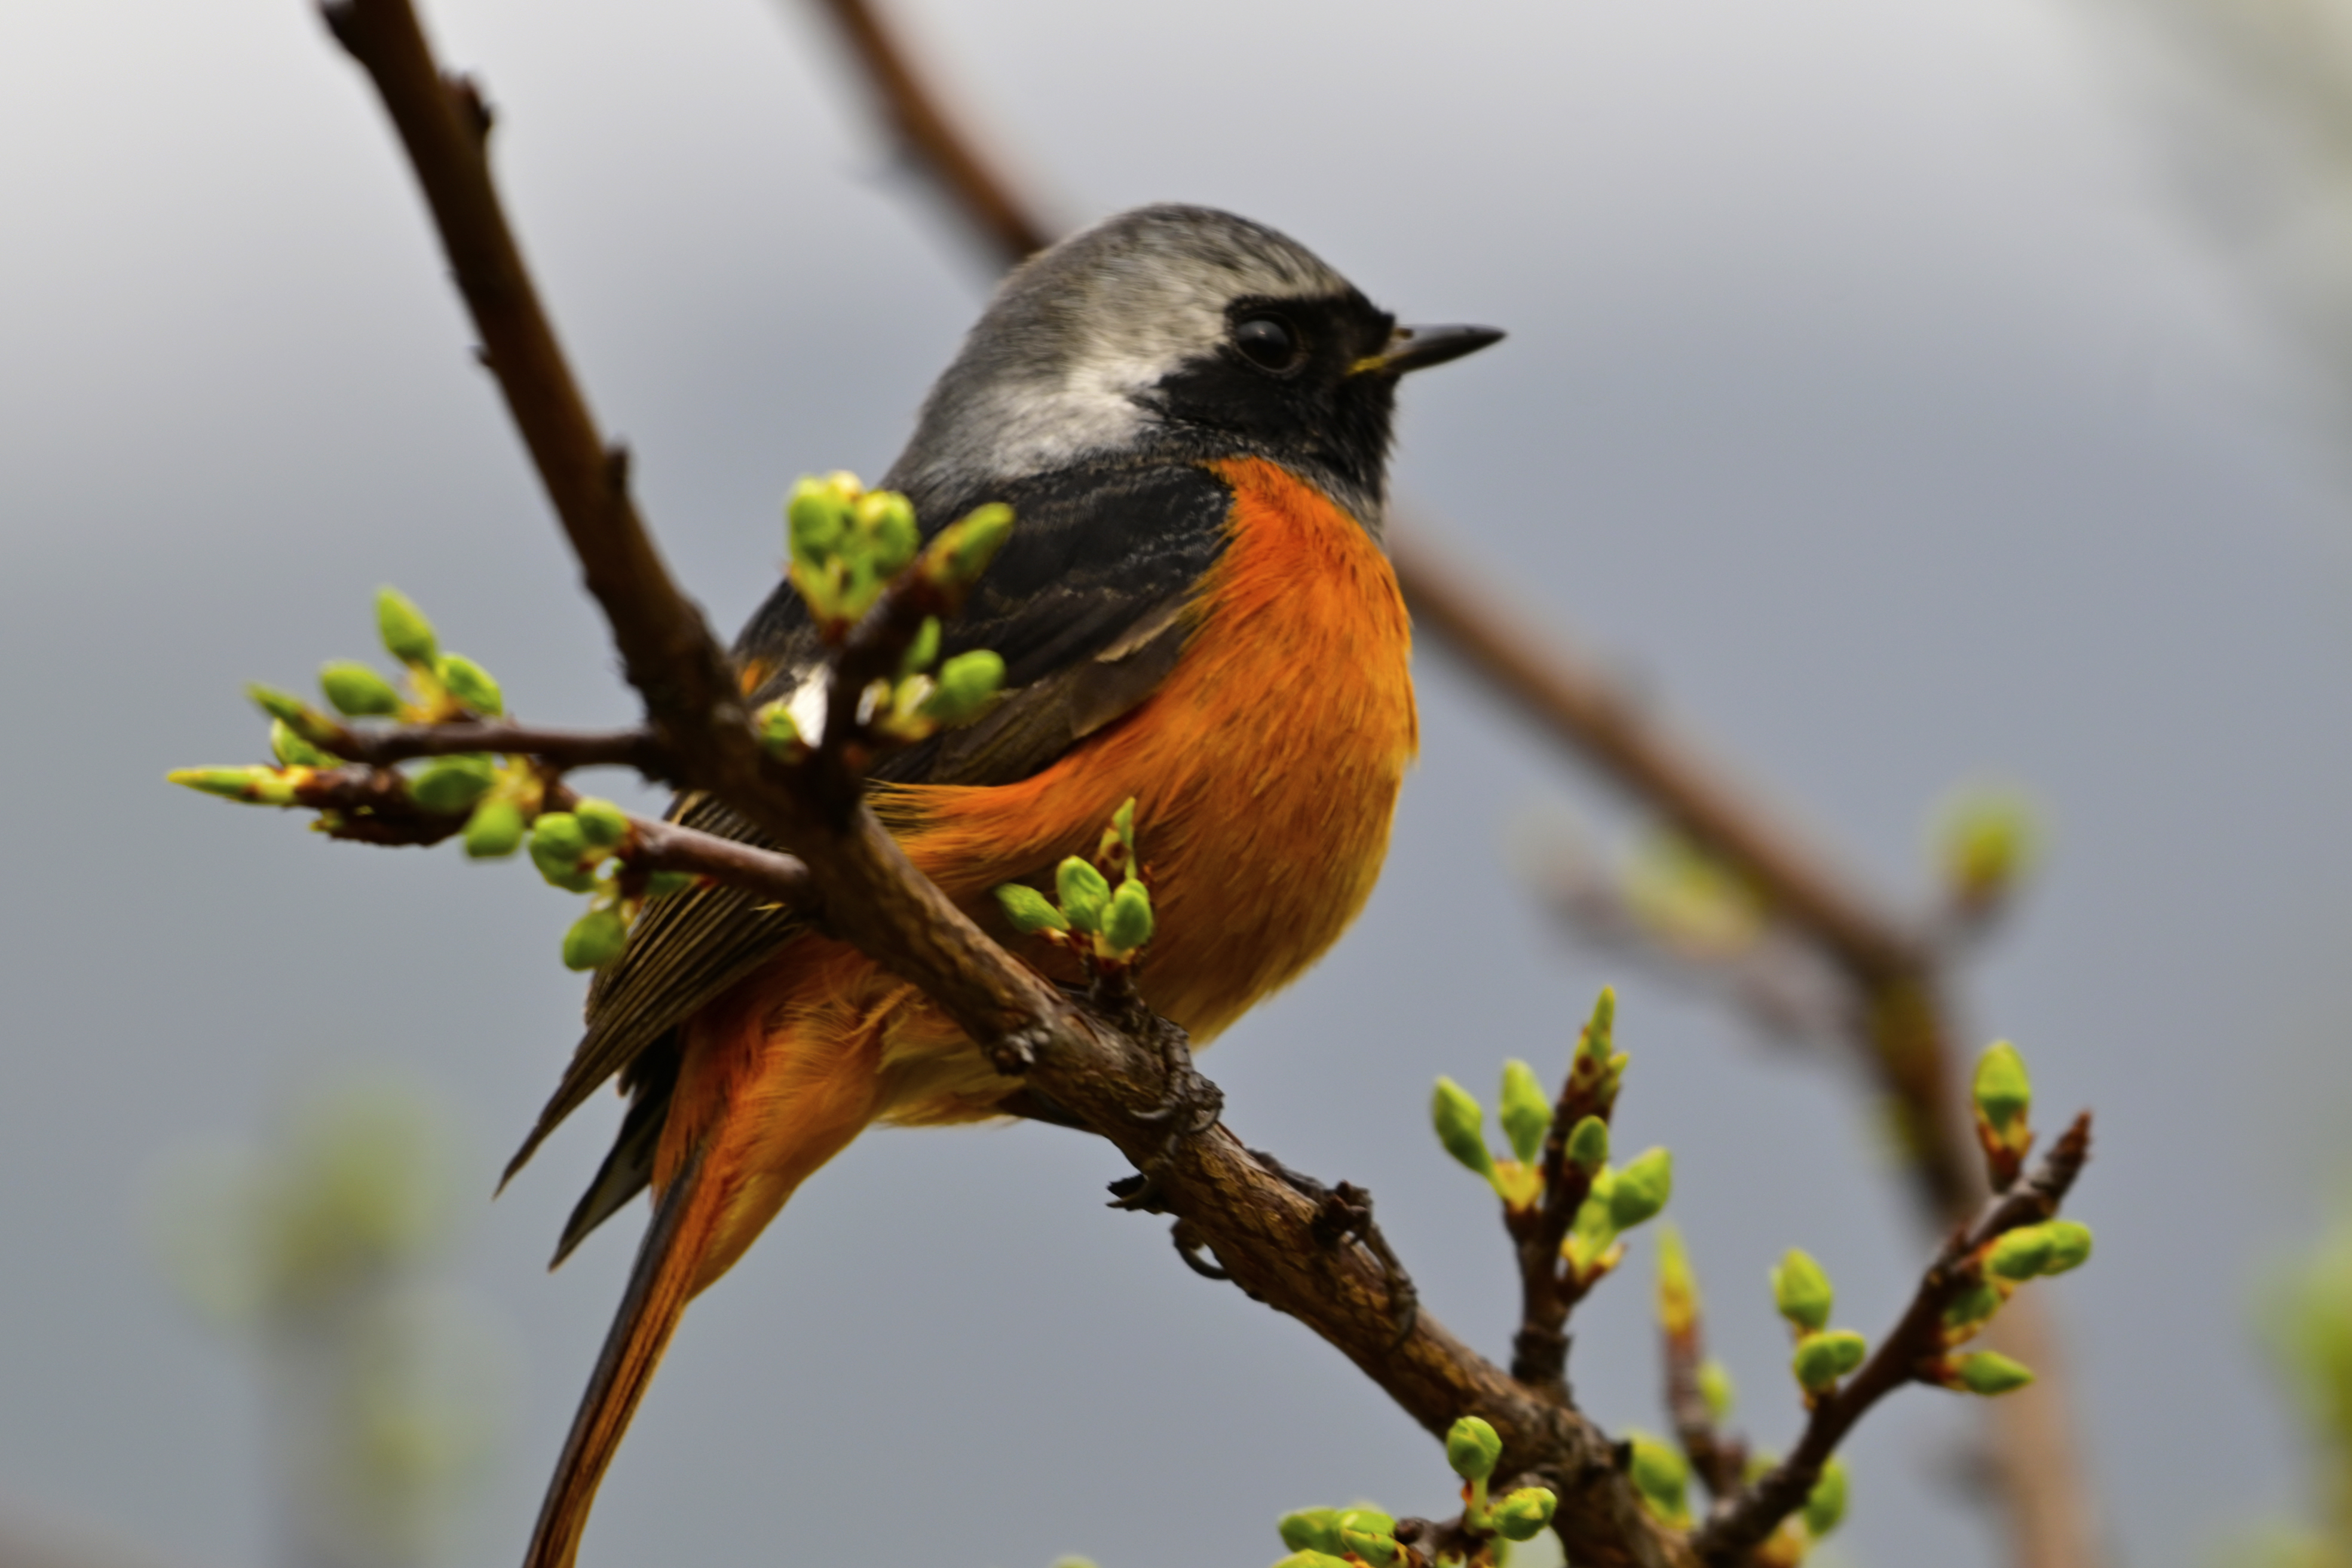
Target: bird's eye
pixel 1267 341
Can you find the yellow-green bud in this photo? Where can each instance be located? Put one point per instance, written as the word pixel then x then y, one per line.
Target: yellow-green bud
pixel 1030 911
pixel 1460 1122
pixel 1313 1559
pixel 407 635
pixel 1526 1112
pixel 1990 1373
pixel 964 548
pixel 254 786
pixel 1588 1144
pixel 2002 1089
pixel 1825 1505
pixel 2020 1254
pixel 357 691
pixel 1473 1447
pixel 662 884
pixel 1523 1515
pixel 1128 925
pixel 963 687
pixel 470 684
pixel 816 514
pixel 778 731
pixel 495 829
pixel 2070 1246
pixel 451 785
pixel 888 519
pixel 557 845
pixel 1083 894
pixel 1662 1476
pixel 1641 1188
pixel 1312 1530
pixel 1988 837
pixel 1368 1533
pixel 1677 1285
pixel 292 751
pixel 1716 1387
pixel 1801 1290
pixel 594 939
pixel 1599 1040
pixel 1974 1305
pixel 602 823
pixel 1122 823
pixel 1821 1358
pixel 923 650
pixel 283 706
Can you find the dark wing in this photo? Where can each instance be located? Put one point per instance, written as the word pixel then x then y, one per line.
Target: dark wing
pixel 1087 605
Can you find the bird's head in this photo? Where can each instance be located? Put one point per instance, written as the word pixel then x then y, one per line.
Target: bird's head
pixel 1174 331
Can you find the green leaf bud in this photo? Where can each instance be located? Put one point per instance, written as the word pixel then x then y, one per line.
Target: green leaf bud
pixel 1122 823
pixel 557 847
pixel 1083 894
pixel 1801 1290
pixel 1312 1530
pixel 1641 1188
pixel 1313 1559
pixel 1368 1533
pixel 1588 1144
pixel 1526 1112
pixel 2070 1246
pixel 2002 1089
pixel 924 650
pixel 1599 1040
pixel 253 786
pixel 965 547
pixel 964 685
pixel 452 784
pixel 602 823
pixel 594 939
pixel 2020 1254
pixel 495 829
pixel 1662 1476
pixel 1990 1373
pixel 1974 1305
pixel 780 733
pixel 888 519
pixel 1825 1505
pixel 1128 924
pixel 1988 837
pixel 470 684
pixel 1716 1387
pixel 1030 911
pixel 1473 1447
pixel 407 635
pixel 1822 1358
pixel 292 751
pixel 1678 1285
pixel 356 691
pixel 816 515
pixel 283 706
pixel 663 884
pixel 1460 1122
pixel 1523 1515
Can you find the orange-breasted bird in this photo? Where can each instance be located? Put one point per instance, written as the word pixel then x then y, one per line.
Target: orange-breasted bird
pixel 1190 415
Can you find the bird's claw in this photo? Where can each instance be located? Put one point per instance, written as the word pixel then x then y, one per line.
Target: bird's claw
pixel 1345 1213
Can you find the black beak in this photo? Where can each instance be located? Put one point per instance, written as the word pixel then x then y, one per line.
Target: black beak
pixel 1418 348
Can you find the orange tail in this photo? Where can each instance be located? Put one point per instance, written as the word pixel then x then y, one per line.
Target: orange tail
pixel 659 1287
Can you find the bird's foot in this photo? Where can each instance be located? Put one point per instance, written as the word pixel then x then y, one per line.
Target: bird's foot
pixel 1345 1213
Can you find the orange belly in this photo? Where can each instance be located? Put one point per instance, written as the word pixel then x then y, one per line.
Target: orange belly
pixel 1264 771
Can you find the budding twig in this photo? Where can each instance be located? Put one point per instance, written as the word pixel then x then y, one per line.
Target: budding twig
pixel 1910 1354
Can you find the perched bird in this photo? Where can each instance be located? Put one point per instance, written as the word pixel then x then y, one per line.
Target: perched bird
pixel 1190 415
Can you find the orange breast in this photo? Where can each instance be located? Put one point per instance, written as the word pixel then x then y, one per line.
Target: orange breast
pixel 1265 770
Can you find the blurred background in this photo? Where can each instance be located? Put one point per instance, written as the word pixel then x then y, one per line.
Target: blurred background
pixel 1900 396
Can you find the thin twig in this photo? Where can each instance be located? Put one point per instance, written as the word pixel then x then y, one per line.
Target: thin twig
pixel 562 750
pixel 1740 1524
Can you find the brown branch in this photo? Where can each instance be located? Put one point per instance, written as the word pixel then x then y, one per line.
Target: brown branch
pixel 1740 1524
pixel 1548 1289
pixel 1718 1456
pixel 1111 1079
pixel 562 749
pixel 937 146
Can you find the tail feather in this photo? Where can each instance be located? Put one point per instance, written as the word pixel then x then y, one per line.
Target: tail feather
pixel 659 1287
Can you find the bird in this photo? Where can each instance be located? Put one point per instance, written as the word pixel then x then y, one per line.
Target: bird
pixel 1190 414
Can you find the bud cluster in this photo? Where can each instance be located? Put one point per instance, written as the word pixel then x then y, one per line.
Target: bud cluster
pixel 1803 1293
pixel 1357 1537
pixel 1105 926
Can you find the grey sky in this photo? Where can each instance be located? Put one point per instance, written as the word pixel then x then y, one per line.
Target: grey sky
pixel 1864 395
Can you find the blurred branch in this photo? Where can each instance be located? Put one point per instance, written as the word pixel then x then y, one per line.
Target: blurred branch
pixel 1905 1033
